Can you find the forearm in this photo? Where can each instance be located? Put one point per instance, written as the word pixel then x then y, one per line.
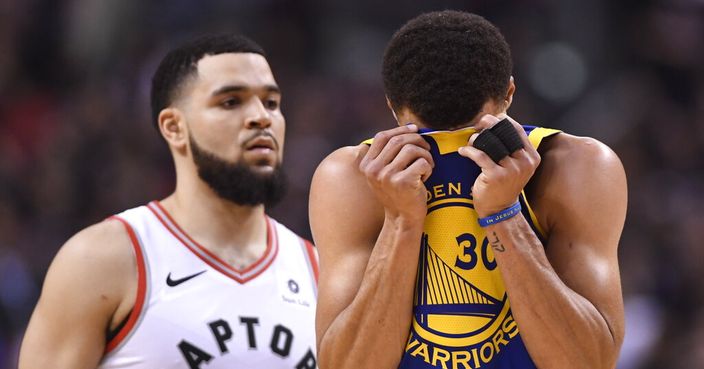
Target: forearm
pixel 372 331
pixel 559 327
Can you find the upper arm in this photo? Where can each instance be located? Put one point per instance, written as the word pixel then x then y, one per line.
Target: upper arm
pixel 89 280
pixel 583 199
pixel 345 220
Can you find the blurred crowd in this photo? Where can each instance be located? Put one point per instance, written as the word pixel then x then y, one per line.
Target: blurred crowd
pixel 77 144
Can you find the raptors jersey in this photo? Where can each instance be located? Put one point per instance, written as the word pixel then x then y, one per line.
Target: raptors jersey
pixel 195 311
pixel 461 314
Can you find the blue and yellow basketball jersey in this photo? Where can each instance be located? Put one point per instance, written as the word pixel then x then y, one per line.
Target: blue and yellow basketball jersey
pixel 462 316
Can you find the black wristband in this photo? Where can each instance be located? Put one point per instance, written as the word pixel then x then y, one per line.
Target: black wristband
pixel 509 136
pixel 491 145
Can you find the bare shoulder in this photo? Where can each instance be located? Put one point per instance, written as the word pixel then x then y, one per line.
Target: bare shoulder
pixel 343 161
pixel 98 263
pixel 341 198
pixel 579 172
pixel 578 150
pixel 338 176
pixel 102 244
pixel 89 288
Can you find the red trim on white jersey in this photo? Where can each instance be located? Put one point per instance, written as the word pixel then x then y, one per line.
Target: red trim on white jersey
pixel 241 276
pixel 310 251
pixel 141 289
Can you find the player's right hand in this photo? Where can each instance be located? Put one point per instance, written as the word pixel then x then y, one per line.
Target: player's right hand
pixel 396 165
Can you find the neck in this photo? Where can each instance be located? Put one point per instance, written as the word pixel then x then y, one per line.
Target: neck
pixel 220 225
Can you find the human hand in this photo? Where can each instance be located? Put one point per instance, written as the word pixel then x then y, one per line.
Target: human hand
pixel 396 165
pixel 499 184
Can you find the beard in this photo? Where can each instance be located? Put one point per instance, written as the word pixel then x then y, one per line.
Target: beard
pixel 238 182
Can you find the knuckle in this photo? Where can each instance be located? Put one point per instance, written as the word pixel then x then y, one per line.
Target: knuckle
pixel 397 180
pixel 372 170
pixel 364 164
pixel 413 149
pixel 523 167
pixel 396 140
pixel 488 120
pixel 418 139
pixel 530 161
pixel 499 176
pixel 537 159
pixel 382 176
pixel 429 160
pixel 427 167
pixel 510 168
pixel 530 164
pixel 381 136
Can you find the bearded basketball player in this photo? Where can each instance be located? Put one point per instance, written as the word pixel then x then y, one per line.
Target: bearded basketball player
pixel 435 254
pixel 203 278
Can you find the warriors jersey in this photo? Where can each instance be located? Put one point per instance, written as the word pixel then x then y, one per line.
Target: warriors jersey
pixel 195 311
pixel 461 314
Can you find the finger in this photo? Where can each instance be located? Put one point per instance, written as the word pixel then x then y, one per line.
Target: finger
pixel 483 160
pixel 485 122
pixel 383 137
pixel 505 131
pixel 408 155
pixel 363 149
pixel 525 159
pixel 397 143
pixel 505 161
pixel 524 137
pixel 491 145
pixel 420 167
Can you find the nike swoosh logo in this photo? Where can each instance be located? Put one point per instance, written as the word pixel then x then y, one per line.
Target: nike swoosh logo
pixel 176 282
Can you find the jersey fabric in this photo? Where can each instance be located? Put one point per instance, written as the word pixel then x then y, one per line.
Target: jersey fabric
pixel 195 311
pixel 461 314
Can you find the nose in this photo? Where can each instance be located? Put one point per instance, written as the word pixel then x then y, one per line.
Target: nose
pixel 258 117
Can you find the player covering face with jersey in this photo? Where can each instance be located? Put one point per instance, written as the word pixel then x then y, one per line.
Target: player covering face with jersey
pixel 461 238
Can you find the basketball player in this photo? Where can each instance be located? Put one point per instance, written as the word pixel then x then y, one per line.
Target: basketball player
pixel 433 255
pixel 203 278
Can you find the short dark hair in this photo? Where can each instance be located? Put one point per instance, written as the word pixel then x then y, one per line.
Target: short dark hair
pixel 182 62
pixel 444 66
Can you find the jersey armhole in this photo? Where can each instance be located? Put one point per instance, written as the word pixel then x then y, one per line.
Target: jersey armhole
pixel 127 327
pixel 536 137
pixel 532 218
pixel 111 334
pixel 311 257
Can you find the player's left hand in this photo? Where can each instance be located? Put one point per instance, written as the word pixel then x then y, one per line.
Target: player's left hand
pixel 499 185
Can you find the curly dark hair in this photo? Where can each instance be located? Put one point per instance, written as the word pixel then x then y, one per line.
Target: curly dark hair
pixel 444 66
pixel 182 62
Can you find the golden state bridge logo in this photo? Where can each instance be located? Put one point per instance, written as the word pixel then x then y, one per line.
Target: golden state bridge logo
pixel 461 313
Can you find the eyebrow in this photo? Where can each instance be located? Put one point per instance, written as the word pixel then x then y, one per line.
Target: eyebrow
pixel 239 88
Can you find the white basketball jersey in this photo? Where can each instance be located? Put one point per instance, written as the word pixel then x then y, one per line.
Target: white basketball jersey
pixel 195 311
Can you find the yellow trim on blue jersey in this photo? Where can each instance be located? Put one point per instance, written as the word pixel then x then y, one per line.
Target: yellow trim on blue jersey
pixel 451 141
pixel 448 141
pixel 533 217
pixel 452 199
pixel 535 137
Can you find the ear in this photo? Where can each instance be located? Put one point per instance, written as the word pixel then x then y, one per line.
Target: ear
pixel 508 99
pixel 172 126
pixel 393 112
